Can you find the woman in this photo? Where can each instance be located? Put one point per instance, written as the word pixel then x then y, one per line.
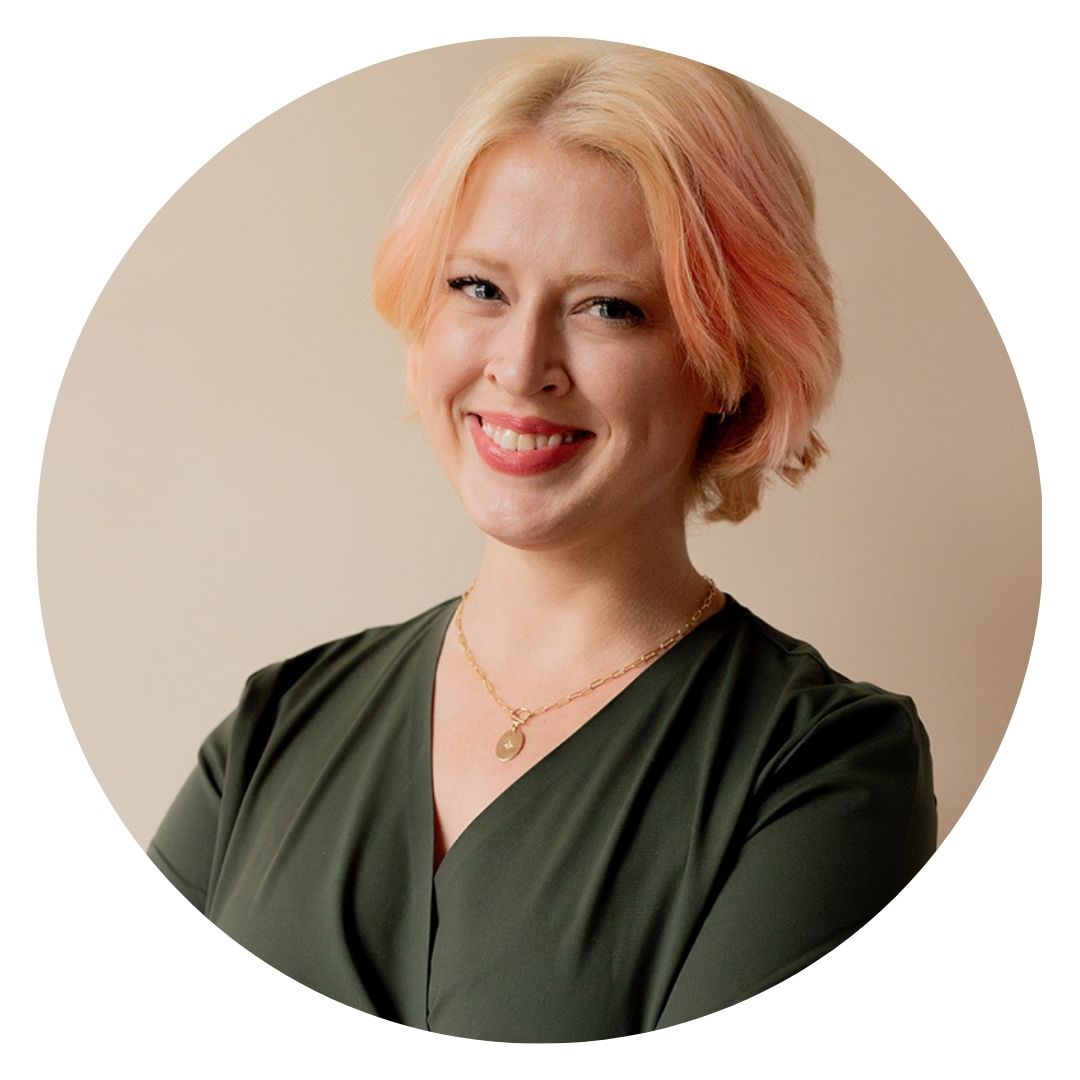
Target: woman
pixel 594 795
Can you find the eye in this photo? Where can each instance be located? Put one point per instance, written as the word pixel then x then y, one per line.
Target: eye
pixel 475 287
pixel 612 309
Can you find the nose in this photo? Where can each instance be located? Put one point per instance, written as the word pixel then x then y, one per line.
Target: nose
pixel 528 356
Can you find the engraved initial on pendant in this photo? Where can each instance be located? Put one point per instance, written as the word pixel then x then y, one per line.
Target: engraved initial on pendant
pixel 510 744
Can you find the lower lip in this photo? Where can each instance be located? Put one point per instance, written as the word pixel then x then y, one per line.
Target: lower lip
pixel 523 462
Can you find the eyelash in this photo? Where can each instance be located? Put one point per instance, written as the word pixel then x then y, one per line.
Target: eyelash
pixel 632 314
pixel 460 284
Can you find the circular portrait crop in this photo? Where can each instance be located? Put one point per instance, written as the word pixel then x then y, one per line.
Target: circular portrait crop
pixel 542 561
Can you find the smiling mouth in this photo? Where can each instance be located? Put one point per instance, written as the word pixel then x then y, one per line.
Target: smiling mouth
pixel 525 445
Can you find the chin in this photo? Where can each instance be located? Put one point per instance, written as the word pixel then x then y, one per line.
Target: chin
pixel 530 523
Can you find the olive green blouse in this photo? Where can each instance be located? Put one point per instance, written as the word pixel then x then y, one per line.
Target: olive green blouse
pixel 734 813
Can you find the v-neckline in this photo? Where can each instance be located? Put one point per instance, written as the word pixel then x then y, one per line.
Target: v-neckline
pixel 441 626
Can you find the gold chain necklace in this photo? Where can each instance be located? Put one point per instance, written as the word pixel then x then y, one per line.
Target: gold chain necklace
pixel 510 742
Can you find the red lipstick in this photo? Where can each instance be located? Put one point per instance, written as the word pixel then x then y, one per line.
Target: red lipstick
pixel 525 462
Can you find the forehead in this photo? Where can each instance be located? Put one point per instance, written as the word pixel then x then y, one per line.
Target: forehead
pixel 527 200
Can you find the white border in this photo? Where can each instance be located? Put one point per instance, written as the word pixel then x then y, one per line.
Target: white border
pixel 109 107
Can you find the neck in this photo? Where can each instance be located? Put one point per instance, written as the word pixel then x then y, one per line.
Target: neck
pixel 578 610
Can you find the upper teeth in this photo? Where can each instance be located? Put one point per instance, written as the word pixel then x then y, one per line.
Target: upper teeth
pixel 509 439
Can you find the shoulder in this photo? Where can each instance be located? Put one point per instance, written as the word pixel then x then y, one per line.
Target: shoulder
pixel 325 683
pixel 807 745
pixel 788 667
pixel 821 730
pixel 796 703
pixel 376 645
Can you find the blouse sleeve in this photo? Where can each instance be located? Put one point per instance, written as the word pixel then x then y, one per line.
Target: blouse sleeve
pixel 191 839
pixel 843 817
pixel 183 846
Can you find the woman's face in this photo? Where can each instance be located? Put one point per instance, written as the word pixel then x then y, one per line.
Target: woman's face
pixel 549 379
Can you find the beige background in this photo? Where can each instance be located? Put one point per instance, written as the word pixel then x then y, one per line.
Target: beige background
pixel 229 478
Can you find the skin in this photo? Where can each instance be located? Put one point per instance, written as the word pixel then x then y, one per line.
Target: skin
pixel 552 305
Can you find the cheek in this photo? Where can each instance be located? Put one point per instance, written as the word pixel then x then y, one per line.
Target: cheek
pixel 446 363
pixel 668 413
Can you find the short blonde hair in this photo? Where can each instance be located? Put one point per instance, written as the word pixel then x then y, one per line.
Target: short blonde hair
pixel 731 209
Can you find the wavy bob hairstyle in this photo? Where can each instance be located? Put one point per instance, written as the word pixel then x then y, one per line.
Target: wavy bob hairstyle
pixel 731 210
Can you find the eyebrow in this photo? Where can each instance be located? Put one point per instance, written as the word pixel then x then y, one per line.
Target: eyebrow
pixel 580 277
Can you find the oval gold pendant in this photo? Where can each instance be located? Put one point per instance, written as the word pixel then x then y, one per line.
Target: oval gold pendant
pixel 509 744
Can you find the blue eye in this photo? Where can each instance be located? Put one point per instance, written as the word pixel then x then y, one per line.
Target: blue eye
pixel 612 309
pixel 475 287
